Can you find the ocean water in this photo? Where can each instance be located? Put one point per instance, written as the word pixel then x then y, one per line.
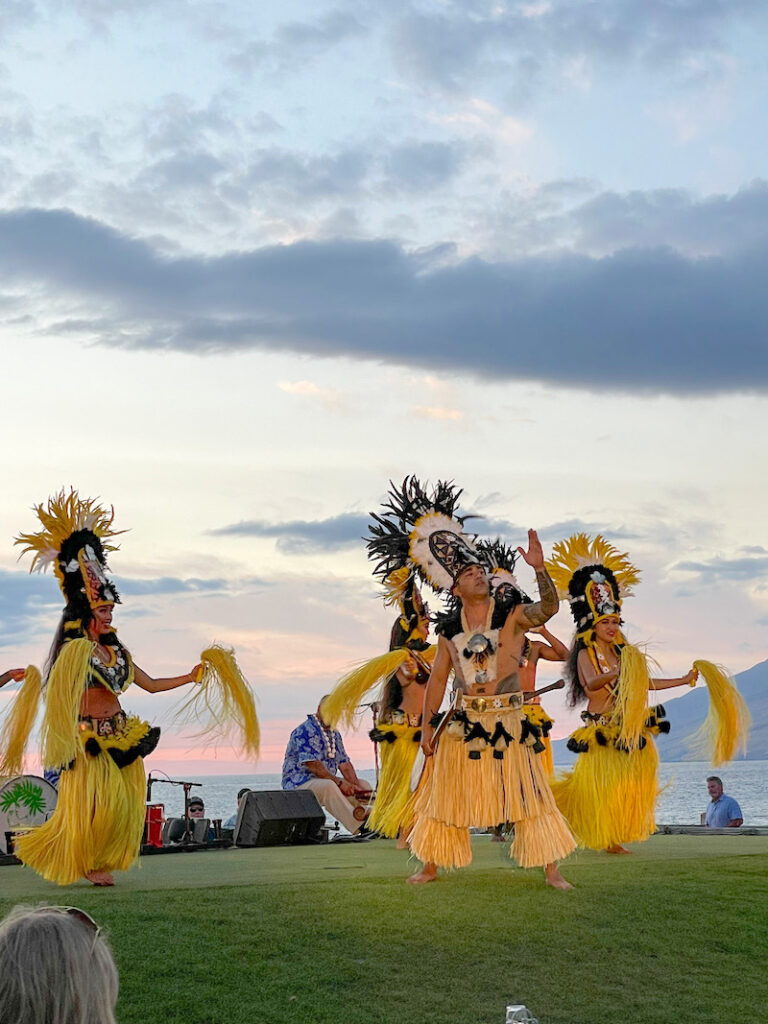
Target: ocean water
pixel 683 798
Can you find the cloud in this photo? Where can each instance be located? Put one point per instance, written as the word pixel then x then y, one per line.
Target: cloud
pixel 329 398
pixel 31 603
pixel 436 412
pixel 748 567
pixel 420 166
pixel 27 602
pixel 175 585
pixel 334 27
pixel 304 537
pixel 295 41
pixel 463 42
pixel 293 175
pixel 671 217
pixel 489 526
pixel 653 320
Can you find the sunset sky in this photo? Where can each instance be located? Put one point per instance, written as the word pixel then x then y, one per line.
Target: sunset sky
pixel 259 259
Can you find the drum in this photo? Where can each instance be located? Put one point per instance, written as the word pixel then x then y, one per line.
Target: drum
pixel 363 806
pixel 25 801
pixel 153 825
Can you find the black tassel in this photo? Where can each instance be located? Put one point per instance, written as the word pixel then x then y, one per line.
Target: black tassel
pixel 500 733
pixel 477 732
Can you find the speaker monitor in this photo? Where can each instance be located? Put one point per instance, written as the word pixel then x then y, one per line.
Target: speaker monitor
pixel 278 817
pixel 173 830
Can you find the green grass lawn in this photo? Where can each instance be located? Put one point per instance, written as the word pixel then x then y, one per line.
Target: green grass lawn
pixel 678 932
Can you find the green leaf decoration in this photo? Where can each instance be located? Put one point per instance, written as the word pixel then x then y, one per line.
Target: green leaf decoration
pixel 25 794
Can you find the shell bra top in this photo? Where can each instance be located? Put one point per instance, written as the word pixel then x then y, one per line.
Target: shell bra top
pixel 117 675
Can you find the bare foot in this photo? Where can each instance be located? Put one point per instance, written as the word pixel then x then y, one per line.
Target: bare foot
pixel 554 878
pixel 100 878
pixel 427 874
pixel 402 841
pixel 617 849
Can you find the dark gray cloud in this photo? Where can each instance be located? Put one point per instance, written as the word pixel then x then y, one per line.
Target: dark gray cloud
pixel 419 166
pixel 292 42
pixel 549 533
pixel 294 175
pixel 303 537
pixel 300 537
pixel 317 36
pixel 183 171
pixel 26 602
pixel 460 41
pixel 747 567
pixel 652 320
pixel 671 217
pixel 30 603
pixel 129 587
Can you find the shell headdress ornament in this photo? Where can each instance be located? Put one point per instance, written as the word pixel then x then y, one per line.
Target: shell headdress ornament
pixel 593 576
pixel 420 530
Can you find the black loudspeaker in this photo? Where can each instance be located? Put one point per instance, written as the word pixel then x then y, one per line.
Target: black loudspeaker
pixel 279 817
pixel 173 830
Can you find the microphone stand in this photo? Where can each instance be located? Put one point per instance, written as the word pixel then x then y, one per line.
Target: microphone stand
pixel 188 836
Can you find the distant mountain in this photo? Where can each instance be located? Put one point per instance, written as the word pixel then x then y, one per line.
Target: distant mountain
pixel 687 713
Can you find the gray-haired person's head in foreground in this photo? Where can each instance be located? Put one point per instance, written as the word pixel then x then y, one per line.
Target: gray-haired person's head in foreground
pixel 55 967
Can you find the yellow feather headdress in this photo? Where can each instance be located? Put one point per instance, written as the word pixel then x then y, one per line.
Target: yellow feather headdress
pixel 593 576
pixel 74 539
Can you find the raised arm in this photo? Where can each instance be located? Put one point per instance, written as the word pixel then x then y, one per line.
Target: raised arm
pixel 159 685
pixel 542 610
pixel 433 694
pixel 553 649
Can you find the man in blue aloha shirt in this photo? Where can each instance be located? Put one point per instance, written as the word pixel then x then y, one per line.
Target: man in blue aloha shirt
pixel 313 758
pixel 722 811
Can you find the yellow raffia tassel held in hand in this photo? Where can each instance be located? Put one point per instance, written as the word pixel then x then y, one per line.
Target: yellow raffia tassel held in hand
pixel 19 724
pixel 222 702
pixel 725 729
pixel 630 708
pixel 341 703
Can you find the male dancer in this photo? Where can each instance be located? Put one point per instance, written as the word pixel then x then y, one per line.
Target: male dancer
pixel 502 778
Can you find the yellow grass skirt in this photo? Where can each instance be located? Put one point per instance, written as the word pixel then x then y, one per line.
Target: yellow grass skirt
pixel 99 817
pixel 609 797
pixel 478 782
pixel 390 812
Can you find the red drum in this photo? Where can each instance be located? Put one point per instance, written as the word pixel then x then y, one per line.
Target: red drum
pixel 153 825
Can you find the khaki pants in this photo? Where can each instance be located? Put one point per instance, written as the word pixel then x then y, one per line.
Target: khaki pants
pixel 332 800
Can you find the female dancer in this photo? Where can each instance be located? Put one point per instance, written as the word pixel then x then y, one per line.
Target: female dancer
pixel 609 798
pixel 99 750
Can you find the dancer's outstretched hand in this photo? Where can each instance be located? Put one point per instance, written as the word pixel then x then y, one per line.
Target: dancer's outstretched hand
pixel 196 674
pixel 16 674
pixel 534 556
